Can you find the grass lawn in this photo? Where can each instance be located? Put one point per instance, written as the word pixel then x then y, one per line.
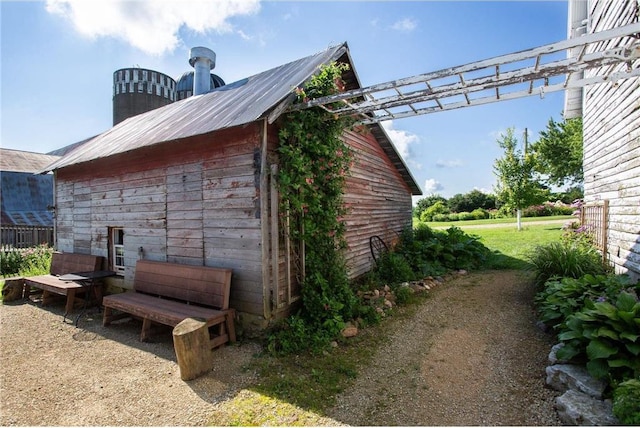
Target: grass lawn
pixel 507 221
pixel 511 247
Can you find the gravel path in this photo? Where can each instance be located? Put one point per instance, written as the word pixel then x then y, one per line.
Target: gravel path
pixel 471 355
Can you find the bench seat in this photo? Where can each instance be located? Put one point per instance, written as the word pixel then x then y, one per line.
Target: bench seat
pixel 62 264
pixel 167 312
pixel 168 293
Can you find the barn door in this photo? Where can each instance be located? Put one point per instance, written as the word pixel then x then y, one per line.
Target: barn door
pixel 287 262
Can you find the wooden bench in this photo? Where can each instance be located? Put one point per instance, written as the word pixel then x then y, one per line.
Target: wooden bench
pixel 62 264
pixel 168 293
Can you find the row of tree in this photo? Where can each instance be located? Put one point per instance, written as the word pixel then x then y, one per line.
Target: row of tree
pixel 524 176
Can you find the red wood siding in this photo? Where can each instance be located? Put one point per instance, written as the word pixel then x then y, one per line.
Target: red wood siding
pixel 192 201
pixel 378 198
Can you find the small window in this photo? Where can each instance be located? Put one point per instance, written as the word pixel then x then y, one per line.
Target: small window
pixel 116 250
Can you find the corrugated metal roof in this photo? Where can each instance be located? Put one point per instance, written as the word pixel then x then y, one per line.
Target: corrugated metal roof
pixel 25 197
pixel 235 104
pixel 231 105
pixel 21 161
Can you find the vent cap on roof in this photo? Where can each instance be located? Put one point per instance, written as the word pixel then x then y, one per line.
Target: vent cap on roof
pixel 203 60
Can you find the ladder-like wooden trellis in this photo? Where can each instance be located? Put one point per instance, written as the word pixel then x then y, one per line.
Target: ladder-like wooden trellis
pixel 550 68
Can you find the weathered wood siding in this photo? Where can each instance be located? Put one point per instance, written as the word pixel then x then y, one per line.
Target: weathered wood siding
pixel 378 199
pixel 194 202
pixel 612 146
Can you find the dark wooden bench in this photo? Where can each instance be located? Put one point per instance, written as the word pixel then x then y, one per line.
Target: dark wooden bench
pixel 168 293
pixel 62 264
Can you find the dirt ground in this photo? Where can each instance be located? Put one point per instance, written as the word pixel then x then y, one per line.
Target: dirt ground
pixel 471 355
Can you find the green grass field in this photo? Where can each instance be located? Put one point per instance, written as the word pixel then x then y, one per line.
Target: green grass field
pixel 505 221
pixel 511 247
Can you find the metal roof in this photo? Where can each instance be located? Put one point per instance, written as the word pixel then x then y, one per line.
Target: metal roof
pixel 231 105
pixel 264 95
pixel 25 199
pixel 21 161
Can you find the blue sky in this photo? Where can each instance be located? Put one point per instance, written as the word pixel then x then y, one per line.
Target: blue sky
pixel 58 59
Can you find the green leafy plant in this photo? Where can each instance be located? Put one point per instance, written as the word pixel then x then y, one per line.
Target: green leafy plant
pixel 26 261
pixel 626 402
pixel 563 297
pixel 565 259
pixel 314 163
pixel 393 268
pixel 605 335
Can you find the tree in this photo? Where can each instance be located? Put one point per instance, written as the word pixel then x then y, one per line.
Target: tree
pixel 470 201
pixel 558 152
pixel 425 203
pixel 517 186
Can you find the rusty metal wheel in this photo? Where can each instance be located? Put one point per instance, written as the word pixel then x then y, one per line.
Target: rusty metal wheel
pixel 378 247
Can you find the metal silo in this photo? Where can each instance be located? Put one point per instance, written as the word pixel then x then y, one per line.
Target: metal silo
pixel 138 90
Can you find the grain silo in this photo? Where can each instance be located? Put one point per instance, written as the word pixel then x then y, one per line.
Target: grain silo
pixel 138 90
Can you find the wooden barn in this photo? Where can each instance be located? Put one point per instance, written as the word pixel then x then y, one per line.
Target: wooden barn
pixel 193 183
pixel 26 219
pixel 611 131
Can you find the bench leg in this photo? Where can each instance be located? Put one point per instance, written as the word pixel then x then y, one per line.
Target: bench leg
pixel 231 328
pixel 46 297
pixel 107 316
pixel 71 300
pixel 146 329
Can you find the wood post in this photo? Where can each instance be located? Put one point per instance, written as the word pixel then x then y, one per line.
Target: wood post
pixel 193 350
pixel 12 289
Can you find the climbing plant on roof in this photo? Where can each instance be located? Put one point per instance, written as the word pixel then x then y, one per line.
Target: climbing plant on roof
pixel 314 164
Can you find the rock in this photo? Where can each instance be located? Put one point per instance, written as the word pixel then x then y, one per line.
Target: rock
pixel 334 344
pixel 350 331
pixel 553 358
pixel 387 289
pixel 462 272
pixel 577 408
pixel 376 293
pixel 562 377
pixel 542 326
pixel 388 304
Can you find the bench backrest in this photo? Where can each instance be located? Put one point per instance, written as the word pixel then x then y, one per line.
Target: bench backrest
pixel 63 263
pixel 201 285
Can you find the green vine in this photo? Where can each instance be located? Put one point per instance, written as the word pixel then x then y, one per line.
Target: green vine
pixel 314 165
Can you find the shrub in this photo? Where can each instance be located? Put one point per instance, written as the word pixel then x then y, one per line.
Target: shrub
pixel 561 298
pixel 437 208
pixel 605 335
pixel 537 211
pixel 393 268
pixel 26 261
pixel 465 216
pixel 480 214
pixel 565 259
pixel 10 262
pixel 453 217
pixel 626 402
pixel 440 217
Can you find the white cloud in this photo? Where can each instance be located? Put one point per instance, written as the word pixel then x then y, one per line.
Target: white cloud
pixel 453 163
pixel 150 25
pixel 432 185
pixel 405 25
pixel 402 140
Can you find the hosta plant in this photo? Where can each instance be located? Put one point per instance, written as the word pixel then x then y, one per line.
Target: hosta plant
pixel 606 336
pixel 563 297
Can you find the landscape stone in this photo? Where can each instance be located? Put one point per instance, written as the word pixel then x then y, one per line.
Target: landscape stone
pixel 577 408
pixel 553 357
pixel 562 377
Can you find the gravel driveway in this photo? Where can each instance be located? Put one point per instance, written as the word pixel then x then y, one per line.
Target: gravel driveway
pixel 471 355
